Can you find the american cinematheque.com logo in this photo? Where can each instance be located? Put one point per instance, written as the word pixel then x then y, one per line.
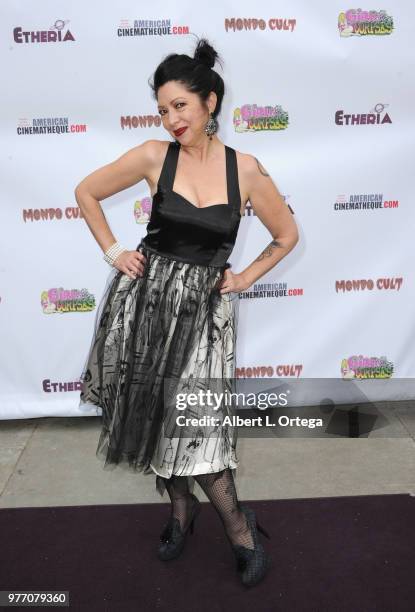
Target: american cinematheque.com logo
pixel 253 118
pixel 48 125
pixel 355 22
pixel 66 300
pixel 364 201
pixel 150 27
pixel 270 290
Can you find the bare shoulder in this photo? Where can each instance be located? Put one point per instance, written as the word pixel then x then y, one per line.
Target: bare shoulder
pixel 249 169
pixel 155 148
pixel 148 156
pixel 155 151
pixel 150 151
pixel 140 162
pixel 249 166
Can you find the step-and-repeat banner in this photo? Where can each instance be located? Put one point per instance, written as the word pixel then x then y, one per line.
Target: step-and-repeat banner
pixel 321 93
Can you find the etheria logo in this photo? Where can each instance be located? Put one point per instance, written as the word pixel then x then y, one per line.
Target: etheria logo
pixel 55 34
pixel 50 386
pixel 253 118
pixel 66 300
pixel 142 210
pixel 377 116
pixel 366 367
pixel 355 22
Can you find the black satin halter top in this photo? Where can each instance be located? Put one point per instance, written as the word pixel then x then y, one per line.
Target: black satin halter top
pixel 180 230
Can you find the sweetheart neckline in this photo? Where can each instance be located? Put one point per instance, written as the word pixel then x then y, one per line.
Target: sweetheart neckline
pixel 190 203
pixel 194 205
pixel 203 207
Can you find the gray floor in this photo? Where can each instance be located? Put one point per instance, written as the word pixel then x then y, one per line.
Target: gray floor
pixel 51 462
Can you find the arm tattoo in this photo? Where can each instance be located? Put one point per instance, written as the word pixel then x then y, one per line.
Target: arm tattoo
pixel 261 168
pixel 267 252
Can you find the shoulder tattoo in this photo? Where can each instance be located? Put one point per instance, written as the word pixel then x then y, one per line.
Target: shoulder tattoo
pixel 261 168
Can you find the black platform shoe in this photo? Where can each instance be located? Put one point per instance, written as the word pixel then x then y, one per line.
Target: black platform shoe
pixel 173 538
pixel 251 564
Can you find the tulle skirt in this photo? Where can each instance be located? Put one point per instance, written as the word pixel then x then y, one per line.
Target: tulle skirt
pixel 166 335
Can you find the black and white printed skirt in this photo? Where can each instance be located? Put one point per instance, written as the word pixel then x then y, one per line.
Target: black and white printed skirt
pixel 158 339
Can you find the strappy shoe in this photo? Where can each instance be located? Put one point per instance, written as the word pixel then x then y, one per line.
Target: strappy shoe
pixel 251 564
pixel 173 538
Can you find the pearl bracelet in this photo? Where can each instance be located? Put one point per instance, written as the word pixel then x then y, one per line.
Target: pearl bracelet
pixel 113 252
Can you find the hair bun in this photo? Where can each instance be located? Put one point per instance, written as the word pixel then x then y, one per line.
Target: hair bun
pixel 205 53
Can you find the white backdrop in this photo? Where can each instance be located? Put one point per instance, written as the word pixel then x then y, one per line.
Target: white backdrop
pixel 325 67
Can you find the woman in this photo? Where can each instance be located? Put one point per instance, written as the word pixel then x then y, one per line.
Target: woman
pixel 167 319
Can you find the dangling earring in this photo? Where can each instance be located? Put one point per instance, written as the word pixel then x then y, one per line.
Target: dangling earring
pixel 211 127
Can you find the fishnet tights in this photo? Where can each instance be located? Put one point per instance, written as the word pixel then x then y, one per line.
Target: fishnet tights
pixel 220 489
pixel 181 501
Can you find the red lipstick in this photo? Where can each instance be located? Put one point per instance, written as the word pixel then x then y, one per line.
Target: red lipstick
pixel 180 131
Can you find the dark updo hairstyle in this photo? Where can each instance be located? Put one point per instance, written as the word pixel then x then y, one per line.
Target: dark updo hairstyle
pixel 195 73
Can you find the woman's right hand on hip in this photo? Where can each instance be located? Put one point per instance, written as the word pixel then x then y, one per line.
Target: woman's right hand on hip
pixel 131 263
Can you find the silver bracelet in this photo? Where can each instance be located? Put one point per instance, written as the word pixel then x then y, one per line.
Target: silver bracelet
pixel 113 252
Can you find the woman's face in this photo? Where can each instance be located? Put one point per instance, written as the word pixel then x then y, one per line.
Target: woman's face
pixel 180 108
